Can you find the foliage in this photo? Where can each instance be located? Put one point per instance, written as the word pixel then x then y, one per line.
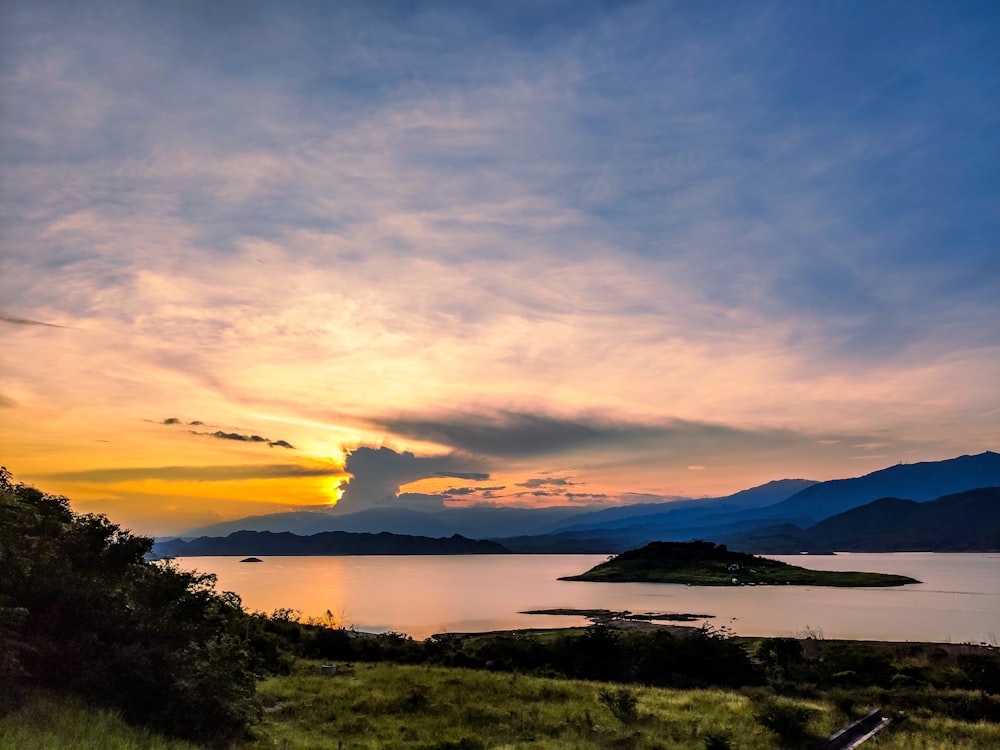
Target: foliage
pixel 83 612
pixel 371 706
pixel 787 719
pixel 622 703
pixel 701 563
pixel 48 721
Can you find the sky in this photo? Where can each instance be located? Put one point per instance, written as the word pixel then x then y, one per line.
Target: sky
pixel 262 256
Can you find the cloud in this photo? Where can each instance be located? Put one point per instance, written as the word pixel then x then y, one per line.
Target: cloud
pixel 239 437
pixel 6 403
pixel 195 473
pixel 462 491
pixel 542 482
pixel 637 209
pixel 518 434
pixel 474 476
pixel 26 322
pixel 234 436
pixel 378 473
pixel 510 434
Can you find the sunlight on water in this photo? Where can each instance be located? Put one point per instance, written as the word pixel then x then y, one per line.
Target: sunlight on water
pixel 958 599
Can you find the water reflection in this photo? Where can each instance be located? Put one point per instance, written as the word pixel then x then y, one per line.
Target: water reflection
pixel 958 599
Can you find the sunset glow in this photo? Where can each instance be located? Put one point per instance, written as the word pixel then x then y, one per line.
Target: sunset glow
pixel 532 254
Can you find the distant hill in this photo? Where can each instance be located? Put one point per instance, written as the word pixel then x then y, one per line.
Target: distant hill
pixel 476 521
pixel 265 543
pixel 775 514
pixel 962 522
pixel 919 482
pixel 686 512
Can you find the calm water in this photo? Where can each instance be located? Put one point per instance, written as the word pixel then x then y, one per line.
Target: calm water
pixel 958 599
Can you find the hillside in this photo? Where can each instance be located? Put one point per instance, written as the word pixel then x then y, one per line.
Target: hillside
pixel 476 522
pixel 706 564
pixel 328 543
pixel 919 482
pixel 963 522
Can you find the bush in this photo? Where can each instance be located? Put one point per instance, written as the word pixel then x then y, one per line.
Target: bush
pixel 788 720
pixel 83 612
pixel 622 702
pixel 717 740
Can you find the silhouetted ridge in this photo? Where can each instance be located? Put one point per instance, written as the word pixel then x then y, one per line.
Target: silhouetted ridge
pixel 328 543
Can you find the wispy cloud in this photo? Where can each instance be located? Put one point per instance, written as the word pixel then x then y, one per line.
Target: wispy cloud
pixel 195 473
pixel 26 322
pixel 472 229
pixel 237 436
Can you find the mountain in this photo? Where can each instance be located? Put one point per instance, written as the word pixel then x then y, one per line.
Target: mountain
pixel 685 511
pixel 266 543
pixel 477 521
pixel 779 510
pixel 919 482
pixel 963 522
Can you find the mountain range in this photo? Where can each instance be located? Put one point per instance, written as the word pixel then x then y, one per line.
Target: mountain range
pixel 784 515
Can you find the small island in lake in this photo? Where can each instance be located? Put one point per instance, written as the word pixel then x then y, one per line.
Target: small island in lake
pixel 706 564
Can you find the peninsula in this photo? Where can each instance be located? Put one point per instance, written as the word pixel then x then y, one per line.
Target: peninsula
pixel 706 564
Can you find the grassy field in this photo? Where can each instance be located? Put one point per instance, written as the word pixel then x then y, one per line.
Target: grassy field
pixel 50 723
pixel 385 705
pixel 368 706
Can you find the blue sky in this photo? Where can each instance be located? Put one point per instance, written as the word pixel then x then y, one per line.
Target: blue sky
pixel 651 249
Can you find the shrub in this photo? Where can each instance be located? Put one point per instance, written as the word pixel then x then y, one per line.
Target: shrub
pixel 84 613
pixel 788 720
pixel 622 702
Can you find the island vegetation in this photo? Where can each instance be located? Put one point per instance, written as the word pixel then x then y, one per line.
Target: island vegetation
pixel 102 647
pixel 702 563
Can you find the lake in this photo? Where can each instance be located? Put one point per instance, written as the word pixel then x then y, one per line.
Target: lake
pixel 958 600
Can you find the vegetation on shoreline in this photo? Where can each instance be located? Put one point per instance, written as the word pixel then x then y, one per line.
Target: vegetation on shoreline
pixel 91 629
pixel 706 564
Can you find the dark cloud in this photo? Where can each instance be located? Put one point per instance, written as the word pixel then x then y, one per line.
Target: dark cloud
pixel 234 436
pixel 6 402
pixel 195 473
pixel 238 437
pixel 419 501
pixel 543 482
pixel 247 438
pixel 511 434
pixel 516 434
pixel 26 322
pixel 378 473
pixel 474 476
pixel 453 492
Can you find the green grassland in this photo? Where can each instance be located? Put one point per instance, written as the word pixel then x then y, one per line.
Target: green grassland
pixel 49 722
pixel 705 564
pixel 384 705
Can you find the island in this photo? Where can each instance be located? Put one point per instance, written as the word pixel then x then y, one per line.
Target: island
pixel 701 563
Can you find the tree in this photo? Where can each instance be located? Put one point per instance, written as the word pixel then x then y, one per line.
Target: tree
pixel 83 611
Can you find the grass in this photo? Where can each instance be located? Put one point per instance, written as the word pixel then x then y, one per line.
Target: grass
pixel 437 708
pixel 385 705
pixel 54 723
pixel 935 733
